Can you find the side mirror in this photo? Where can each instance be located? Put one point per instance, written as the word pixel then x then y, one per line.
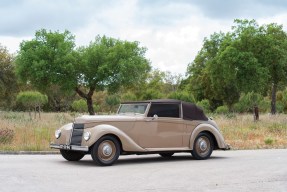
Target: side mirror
pixel 154 117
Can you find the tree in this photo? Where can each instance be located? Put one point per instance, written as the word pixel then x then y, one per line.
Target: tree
pixel 112 101
pixel 249 58
pixel 51 59
pixel 108 63
pixel 8 80
pixel 199 80
pixel 274 57
pixel 32 100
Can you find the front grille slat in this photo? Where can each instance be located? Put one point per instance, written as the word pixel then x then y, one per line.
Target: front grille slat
pixel 78 130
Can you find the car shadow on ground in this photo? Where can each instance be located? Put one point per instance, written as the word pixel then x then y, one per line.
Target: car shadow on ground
pixel 143 159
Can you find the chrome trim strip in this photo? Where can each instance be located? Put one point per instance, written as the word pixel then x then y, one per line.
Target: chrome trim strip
pixel 70 147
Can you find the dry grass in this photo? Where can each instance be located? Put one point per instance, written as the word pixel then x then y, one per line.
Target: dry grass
pixel 240 131
pixel 31 135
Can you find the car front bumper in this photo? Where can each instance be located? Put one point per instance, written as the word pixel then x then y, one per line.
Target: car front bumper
pixel 69 147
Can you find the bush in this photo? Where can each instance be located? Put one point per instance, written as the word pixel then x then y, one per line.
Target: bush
pixel 6 136
pixel 31 99
pixel 128 97
pixel 80 105
pixel 247 102
pixel 222 110
pixel 112 101
pixel 182 95
pixel 264 105
pixel 268 141
pixel 279 107
pixel 204 104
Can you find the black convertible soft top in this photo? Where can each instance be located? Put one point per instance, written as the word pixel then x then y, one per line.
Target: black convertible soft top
pixel 190 111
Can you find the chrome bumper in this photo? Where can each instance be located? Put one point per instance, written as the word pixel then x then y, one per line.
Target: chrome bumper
pixel 227 147
pixel 70 147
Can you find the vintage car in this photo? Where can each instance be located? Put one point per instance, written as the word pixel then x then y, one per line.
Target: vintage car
pixel 164 127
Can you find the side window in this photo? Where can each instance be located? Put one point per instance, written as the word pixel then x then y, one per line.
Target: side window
pixel 164 110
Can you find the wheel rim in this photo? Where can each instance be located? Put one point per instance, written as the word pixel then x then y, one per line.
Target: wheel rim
pixel 202 146
pixel 106 150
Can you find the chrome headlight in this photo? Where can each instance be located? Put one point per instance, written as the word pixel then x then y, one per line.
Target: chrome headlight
pixel 58 133
pixel 87 135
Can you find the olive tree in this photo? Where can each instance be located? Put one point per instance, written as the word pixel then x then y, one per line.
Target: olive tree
pixel 105 64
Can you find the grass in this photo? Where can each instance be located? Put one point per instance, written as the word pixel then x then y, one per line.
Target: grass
pixel 19 133
pixel 30 135
pixel 241 132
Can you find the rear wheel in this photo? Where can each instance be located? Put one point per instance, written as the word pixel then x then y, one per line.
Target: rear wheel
pixel 72 155
pixel 106 151
pixel 203 146
pixel 166 155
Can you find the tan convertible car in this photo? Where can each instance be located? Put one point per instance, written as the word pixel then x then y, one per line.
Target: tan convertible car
pixel 146 127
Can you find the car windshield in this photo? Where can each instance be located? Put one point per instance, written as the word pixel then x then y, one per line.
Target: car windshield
pixel 135 108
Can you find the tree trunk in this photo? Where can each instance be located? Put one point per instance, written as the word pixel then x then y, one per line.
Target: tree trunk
pixel 88 98
pixel 273 99
pixel 256 113
pixel 90 106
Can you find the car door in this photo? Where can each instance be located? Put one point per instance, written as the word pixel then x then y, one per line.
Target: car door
pixel 162 128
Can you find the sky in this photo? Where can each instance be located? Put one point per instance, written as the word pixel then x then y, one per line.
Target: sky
pixel 172 30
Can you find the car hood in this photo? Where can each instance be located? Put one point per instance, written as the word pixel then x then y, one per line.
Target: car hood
pixel 106 118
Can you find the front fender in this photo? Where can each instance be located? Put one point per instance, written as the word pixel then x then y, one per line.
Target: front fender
pixel 98 131
pixel 207 127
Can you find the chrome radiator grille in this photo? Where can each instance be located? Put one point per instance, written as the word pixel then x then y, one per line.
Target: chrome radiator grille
pixel 77 133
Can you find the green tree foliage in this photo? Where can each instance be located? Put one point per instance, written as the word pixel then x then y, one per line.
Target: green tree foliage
pixel 247 102
pixel 222 110
pixel 249 58
pixel 47 60
pixel 32 100
pixel 8 80
pixel 51 59
pixel 79 106
pixel 205 105
pixel 128 96
pixel 182 95
pixel 112 101
pixel 108 63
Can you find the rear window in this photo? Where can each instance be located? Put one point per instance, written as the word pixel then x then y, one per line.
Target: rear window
pixel 164 110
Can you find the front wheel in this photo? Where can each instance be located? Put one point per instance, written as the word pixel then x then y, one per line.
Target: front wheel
pixel 72 155
pixel 106 151
pixel 203 146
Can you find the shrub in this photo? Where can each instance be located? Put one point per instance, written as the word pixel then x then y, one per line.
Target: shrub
pixel 204 104
pixel 222 110
pixel 183 96
pixel 32 100
pixel 247 102
pixel 80 105
pixel 112 101
pixel 268 141
pixel 128 97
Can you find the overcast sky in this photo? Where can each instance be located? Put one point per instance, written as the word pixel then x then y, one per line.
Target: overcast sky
pixel 171 30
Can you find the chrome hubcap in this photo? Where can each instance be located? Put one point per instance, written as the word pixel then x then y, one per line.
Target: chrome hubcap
pixel 107 150
pixel 202 145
